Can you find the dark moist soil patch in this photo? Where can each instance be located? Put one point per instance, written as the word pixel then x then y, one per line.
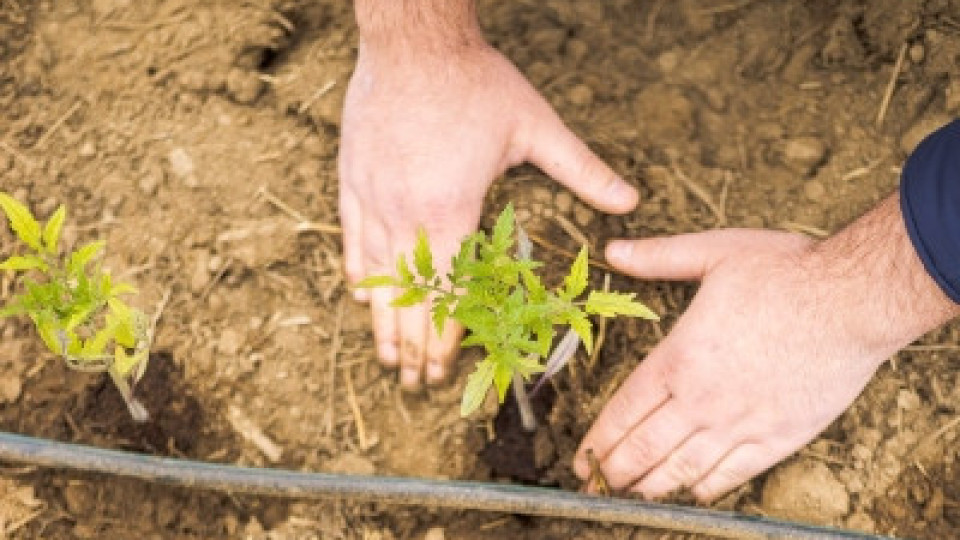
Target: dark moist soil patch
pixel 513 453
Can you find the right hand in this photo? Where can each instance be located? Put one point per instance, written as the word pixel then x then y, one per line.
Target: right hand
pixel 425 132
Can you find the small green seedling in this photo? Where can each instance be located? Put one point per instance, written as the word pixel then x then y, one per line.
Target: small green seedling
pixel 493 292
pixel 75 305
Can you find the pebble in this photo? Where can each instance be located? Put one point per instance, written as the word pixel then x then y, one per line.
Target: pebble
pixel 805 490
pixel 47 207
pixel 435 533
pixel 541 195
pixel 582 215
pixel 10 389
pixel 576 50
pixel 243 86
pixel 580 95
pixel 917 53
pixel 814 190
pixel 181 164
pixel 230 342
pixel 804 154
pixel 194 80
pixel 87 150
pixel 563 202
pixel 150 179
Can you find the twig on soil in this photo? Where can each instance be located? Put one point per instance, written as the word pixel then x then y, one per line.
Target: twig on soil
pixel 401 408
pixel 17 525
pixel 335 345
pixel 716 10
pixel 571 229
pixel 892 85
pixel 568 254
pixel 322 91
pixel 365 443
pixel 303 224
pixel 932 438
pixel 42 141
pixel 699 192
pixel 243 425
pixel 652 20
pixel 795 227
pixel 862 171
pixel 601 330
pixel 215 279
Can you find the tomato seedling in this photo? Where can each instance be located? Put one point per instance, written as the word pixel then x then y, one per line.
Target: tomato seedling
pixel 75 305
pixel 493 292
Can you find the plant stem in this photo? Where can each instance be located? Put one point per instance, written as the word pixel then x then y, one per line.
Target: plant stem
pixel 527 419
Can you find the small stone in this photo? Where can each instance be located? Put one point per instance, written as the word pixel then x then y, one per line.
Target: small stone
pixel 150 180
pixel 563 202
pixel 194 80
pixel 47 207
pixel 181 164
pixel 908 400
pixel 805 490
pixel 435 533
pixel 244 87
pixel 87 150
pixel 582 215
pixel 917 53
pixel 814 190
pixel 668 61
pixel 541 195
pixel 580 95
pixel 803 154
pixel 576 50
pixel 230 342
pixel 10 389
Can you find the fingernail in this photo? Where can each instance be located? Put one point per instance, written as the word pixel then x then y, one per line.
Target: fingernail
pixel 410 377
pixel 435 371
pixel 619 250
pixel 388 353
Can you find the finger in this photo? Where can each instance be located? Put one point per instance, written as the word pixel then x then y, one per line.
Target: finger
pixel 568 160
pixel 441 351
pixel 351 221
pixel 641 394
pixel 685 466
pixel 385 325
pixel 413 328
pixel 646 445
pixel 742 464
pixel 686 256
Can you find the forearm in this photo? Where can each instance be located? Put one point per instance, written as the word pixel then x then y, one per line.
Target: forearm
pixel 875 265
pixel 442 26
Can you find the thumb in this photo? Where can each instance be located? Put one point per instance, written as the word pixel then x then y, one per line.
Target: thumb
pixel 689 256
pixel 568 160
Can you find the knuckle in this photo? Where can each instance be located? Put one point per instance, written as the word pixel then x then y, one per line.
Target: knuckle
pixel 684 470
pixel 642 450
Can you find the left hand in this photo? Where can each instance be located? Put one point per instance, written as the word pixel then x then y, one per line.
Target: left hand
pixel 781 337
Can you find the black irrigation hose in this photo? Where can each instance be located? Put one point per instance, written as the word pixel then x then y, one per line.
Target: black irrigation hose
pixel 405 491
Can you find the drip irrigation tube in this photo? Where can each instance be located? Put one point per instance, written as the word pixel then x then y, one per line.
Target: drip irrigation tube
pixel 406 491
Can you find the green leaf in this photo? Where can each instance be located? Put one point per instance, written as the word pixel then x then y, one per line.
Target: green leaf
pixel 51 231
pixel 96 345
pixel 576 282
pixel 123 363
pixel 581 325
pixel 372 282
pixel 411 297
pixel 47 328
pixel 611 304
pixel 477 385
pixel 14 308
pixel 80 258
pixel 502 377
pixel 123 288
pixel 21 221
pixel 440 313
pixel 502 237
pixel 24 262
pixel 529 365
pixel 422 258
pixel 404 272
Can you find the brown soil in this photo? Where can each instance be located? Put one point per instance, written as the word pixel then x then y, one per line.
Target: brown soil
pixel 167 127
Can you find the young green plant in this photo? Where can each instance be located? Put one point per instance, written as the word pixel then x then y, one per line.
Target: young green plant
pixel 74 304
pixel 493 291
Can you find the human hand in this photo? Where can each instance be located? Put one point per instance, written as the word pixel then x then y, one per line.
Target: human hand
pixel 781 337
pixel 425 131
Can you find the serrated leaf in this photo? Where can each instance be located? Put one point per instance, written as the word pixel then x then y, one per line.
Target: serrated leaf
pixel 440 313
pixel 576 281
pixel 51 231
pixel 502 377
pixel 404 272
pixel 23 262
pixel 22 222
pixel 422 258
pixel 611 304
pixel 476 389
pixel 502 237
pixel 372 282
pixel 580 324
pixel 80 258
pixel 411 297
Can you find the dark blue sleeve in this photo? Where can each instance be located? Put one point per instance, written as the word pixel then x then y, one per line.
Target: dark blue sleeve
pixel 930 202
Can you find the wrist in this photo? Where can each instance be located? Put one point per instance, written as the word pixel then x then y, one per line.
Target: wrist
pixel 874 267
pixel 398 26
